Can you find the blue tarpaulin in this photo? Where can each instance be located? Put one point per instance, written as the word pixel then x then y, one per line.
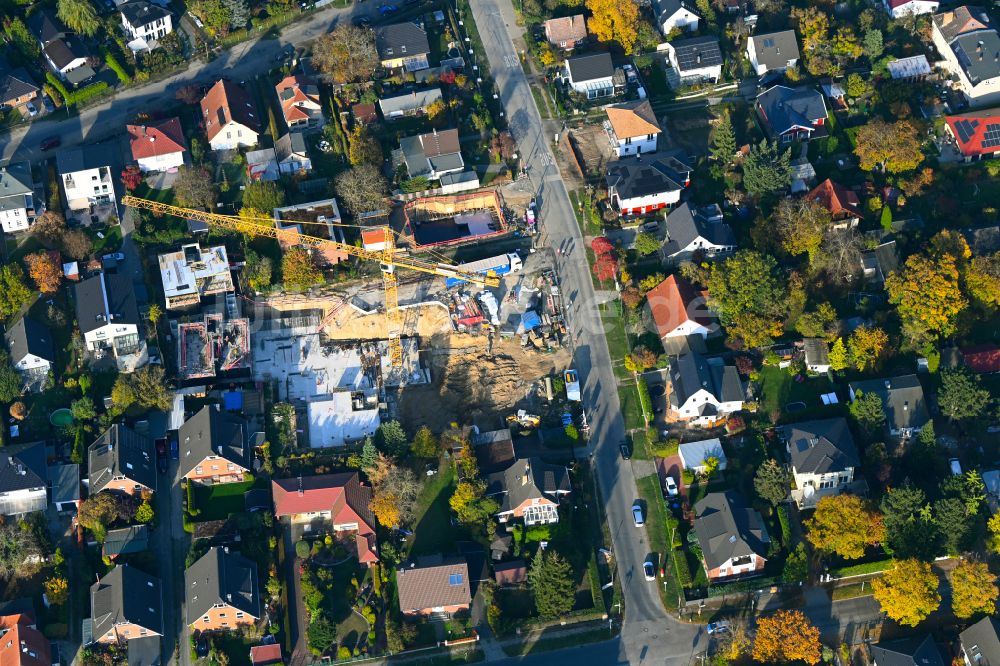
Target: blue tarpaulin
pixel 232 401
pixel 530 320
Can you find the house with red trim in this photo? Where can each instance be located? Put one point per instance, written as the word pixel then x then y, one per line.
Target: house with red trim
pixel 792 114
pixel 843 204
pixel 329 502
pixel 642 184
pixel 976 134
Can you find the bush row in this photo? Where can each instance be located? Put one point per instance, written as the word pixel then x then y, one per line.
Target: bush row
pixel 861 569
pixel 78 96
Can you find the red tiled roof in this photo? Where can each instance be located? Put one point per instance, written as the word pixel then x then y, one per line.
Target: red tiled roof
pixel 973 133
pixel 836 198
pixel 288 102
pixel 364 113
pixel 982 358
pixel 340 494
pixel 225 102
pixel 22 645
pixel 510 573
pixel 161 137
pixel 670 302
pixel 261 655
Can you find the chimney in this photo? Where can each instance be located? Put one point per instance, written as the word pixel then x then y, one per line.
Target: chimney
pixel 219 449
pixel 697 58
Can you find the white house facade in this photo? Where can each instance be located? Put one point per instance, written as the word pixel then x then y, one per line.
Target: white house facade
pixel 145 23
pixel 86 177
pixel 17 201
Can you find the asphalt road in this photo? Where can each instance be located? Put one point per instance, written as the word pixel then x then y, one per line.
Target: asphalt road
pixel 109 118
pixel 649 635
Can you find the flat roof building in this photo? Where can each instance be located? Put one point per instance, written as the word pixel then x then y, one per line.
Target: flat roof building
pixel 191 272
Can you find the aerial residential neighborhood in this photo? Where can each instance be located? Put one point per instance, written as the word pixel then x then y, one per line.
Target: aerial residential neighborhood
pixel 436 332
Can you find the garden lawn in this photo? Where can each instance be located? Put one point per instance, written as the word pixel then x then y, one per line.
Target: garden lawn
pixel 233 646
pixel 779 389
pixel 146 192
pixel 614 331
pixel 628 396
pixel 216 502
pixel 433 531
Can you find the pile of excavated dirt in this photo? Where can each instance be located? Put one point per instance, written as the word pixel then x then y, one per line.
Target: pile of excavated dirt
pixel 471 387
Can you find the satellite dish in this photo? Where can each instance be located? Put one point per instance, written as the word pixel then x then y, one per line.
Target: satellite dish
pixel 808 491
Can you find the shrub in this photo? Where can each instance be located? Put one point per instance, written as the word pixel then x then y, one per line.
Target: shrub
pixel 645 401
pixel 681 569
pixel 786 529
pixel 302 549
pixel 116 67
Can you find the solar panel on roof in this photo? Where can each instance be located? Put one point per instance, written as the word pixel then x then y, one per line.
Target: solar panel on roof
pixel 992 136
pixel 966 129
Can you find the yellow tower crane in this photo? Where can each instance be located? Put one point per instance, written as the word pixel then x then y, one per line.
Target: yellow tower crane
pixel 387 257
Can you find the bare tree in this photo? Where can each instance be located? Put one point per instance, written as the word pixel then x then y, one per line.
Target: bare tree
pixel 347 54
pixel 49 228
pixel 840 256
pixel 16 546
pixel 77 244
pixel 362 189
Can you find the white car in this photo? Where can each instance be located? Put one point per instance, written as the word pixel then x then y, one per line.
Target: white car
pixel 32 111
pixel 637 515
pixel 649 570
pixel 670 486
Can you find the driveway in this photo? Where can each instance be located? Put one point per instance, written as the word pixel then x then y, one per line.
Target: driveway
pixel 170 544
pixel 297 615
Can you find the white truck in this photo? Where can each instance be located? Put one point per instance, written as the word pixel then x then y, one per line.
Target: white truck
pixel 572 381
pixel 498 265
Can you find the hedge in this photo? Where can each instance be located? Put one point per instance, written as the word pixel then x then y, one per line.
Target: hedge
pixel 860 569
pixel 786 530
pixel 594 574
pixel 77 96
pixel 116 67
pixel 681 568
pixel 645 402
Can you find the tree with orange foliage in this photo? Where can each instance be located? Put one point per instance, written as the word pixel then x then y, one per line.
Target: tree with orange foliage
pixel 786 636
pixel 45 271
pixel 845 525
pixel 18 410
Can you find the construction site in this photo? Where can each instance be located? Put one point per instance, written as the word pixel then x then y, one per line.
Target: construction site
pixel 459 218
pixel 215 346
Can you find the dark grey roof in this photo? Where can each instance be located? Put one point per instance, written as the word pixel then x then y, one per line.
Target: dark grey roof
pixel 121 451
pixel 961 19
pixel 72 160
pixel 401 40
pixel 45 27
pixel 14 83
pixel 985 240
pixel 727 527
pixel 820 447
pixel 590 67
pixel 979 54
pixel 29 336
pixel 911 651
pixel 65 50
pixel 775 49
pixel 981 642
pixel 293 143
pixel 665 9
pixel 78 75
pixel 65 481
pixel 212 432
pixel 643 175
pixel 15 179
pixel 816 351
pixel 786 108
pixel 903 399
pixel 526 479
pixel 103 299
pixel 144 651
pixel 883 260
pixel 128 540
pixel 684 226
pixel 140 12
pixel 696 53
pixel 22 467
pixel 689 373
pixel 221 576
pixel 126 595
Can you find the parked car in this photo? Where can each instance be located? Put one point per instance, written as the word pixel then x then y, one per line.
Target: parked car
pixel 175 451
pixel 656 390
pixel 362 22
pixel 114 256
pixel 649 570
pixel 670 486
pixel 637 514
pixel 626 451
pixel 385 10
pixel 718 627
pixel 32 111
pixel 50 143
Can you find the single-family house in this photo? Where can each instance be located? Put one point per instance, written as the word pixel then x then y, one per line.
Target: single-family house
pixel 320 218
pixel 122 460
pixel 792 114
pixel 145 23
pixel 843 204
pixel 413 103
pixel 642 184
pixel 17 89
pixel 703 391
pixel 158 145
pixel 695 59
pixel 221 591
pixel 125 541
pixel 969 46
pixel 732 535
pixel 192 273
pixel 675 15
pixel 917 650
pixel 494 450
pixel 529 489
pixel 433 154
pixel 903 400
pixel 773 52
pixel 566 32
pixel 32 351
pixel 85 174
pixel 126 604
pixel 803 174
pixel 262 165
pixel 64 53
pixel 878 263
pixel 433 585
pixel 591 75
pixel 402 45
pixel 899 8
pixel 694 455
pixel 17 198
pixel 980 643
pixel 329 502
pixel 915 68
pixel 976 133
pixel 291 154
pixel 107 315
pixel 23 479
pixel 21 643
pixel 230 117
pixel 300 102
pixel 632 128
pixel 678 310
pixel 700 231
pixel 816 354
pixel 214 447
pixel 822 457
pixel 64 482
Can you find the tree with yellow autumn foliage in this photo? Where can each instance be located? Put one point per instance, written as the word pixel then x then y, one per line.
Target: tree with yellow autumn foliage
pixel 866 346
pixel 927 296
pixel 384 506
pixel 908 592
pixel 614 20
pixel 845 525
pixel 786 636
pixel 889 147
pixel 57 590
pixel 973 589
